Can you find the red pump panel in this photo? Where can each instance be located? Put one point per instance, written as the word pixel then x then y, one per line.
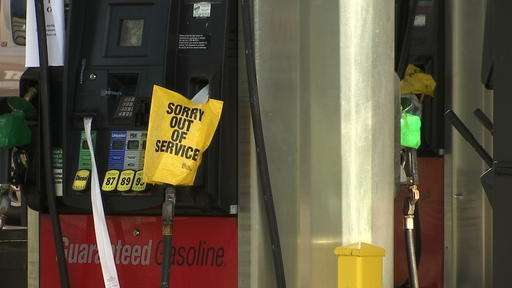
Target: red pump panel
pixel 204 252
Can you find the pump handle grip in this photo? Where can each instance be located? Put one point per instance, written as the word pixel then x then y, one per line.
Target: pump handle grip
pixel 484 120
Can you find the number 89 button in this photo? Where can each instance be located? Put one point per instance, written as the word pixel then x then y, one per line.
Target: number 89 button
pixel 125 180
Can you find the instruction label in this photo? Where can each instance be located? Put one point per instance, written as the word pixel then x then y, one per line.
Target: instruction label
pixel 57 160
pixel 117 149
pixel 84 163
pixel 193 42
pixel 84 156
pixel 135 146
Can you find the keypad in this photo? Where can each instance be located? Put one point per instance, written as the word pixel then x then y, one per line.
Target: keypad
pixel 126 107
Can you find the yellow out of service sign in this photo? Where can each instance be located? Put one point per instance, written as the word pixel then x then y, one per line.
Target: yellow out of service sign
pixel 178 134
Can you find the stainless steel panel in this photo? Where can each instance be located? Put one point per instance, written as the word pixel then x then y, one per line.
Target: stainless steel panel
pixel 325 69
pixel 469 215
pixel 277 47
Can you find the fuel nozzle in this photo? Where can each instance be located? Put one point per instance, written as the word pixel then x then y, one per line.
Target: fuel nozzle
pixel 168 210
pixel 410 168
pixel 414 196
pixel 13 165
pixel 14 129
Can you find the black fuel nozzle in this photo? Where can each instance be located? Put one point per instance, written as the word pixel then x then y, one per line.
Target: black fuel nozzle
pixel 168 210
pixel 410 165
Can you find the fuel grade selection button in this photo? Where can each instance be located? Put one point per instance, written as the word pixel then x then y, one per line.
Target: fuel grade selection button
pixel 125 180
pixel 80 180
pixel 110 180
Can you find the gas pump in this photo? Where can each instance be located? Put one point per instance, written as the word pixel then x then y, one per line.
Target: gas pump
pixel 116 51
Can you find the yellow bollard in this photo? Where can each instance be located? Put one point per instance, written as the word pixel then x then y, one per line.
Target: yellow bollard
pixel 359 265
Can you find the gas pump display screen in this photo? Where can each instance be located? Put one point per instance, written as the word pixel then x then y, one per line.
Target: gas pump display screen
pixel 133 145
pixel 117 145
pixel 131 27
pixel 131 32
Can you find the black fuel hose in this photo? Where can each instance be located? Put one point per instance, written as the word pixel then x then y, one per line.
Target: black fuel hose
pixel 417 243
pixel 167 231
pixel 44 83
pixel 411 258
pixel 261 153
pixel 166 272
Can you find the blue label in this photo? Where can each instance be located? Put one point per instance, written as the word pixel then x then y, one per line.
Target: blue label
pixel 117 150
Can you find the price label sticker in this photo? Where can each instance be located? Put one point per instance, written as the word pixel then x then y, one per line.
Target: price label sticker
pixel 110 181
pixel 138 183
pixel 125 180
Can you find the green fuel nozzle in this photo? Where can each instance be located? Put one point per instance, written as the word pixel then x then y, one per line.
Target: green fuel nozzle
pixel 410 121
pixel 410 130
pixel 14 130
